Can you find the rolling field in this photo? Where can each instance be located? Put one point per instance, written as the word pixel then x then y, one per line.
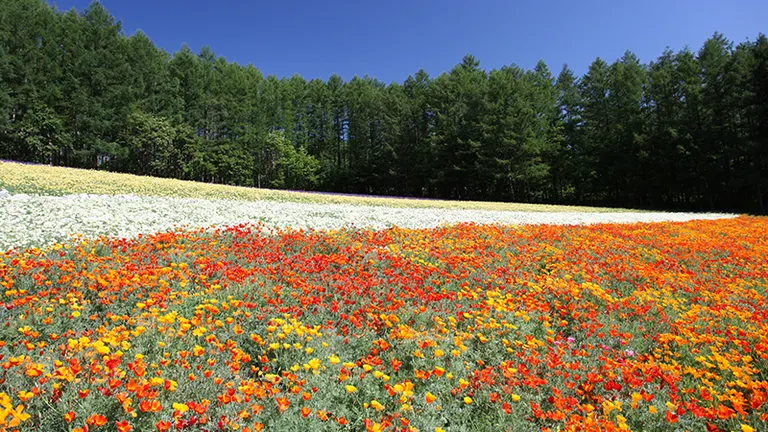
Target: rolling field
pixel 48 180
pixel 40 205
pixel 446 324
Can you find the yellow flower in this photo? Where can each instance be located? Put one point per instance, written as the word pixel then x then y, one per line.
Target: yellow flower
pixel 334 359
pixel 17 415
pixel 350 388
pixel 439 429
pixel 515 397
pixel 622 422
pixel 376 405
pixel 100 347
pixel 180 407
pixel 313 364
pixel 467 400
pixel 272 378
pixel 652 409
pixel 746 428
pixel 609 406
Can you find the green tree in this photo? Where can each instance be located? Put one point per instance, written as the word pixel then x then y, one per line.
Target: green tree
pixel 668 149
pixel 414 164
pixel 29 126
pixel 595 114
pixel 280 165
pixel 757 175
pixel 149 142
pixel 624 157
pixel 460 108
pixel 714 155
pixel 569 174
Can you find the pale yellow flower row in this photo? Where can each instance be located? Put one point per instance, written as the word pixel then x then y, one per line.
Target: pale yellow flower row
pixel 48 180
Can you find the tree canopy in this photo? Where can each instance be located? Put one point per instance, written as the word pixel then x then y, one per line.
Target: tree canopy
pixel 687 130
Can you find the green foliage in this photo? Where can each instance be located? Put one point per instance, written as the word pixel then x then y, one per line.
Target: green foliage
pixel 688 130
pixel 148 142
pixel 284 166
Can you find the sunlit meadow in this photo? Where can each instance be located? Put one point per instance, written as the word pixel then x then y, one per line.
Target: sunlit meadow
pixel 650 327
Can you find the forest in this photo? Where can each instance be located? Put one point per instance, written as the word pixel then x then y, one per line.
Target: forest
pixel 688 130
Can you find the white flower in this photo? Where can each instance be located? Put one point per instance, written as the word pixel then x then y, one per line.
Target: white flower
pixel 34 220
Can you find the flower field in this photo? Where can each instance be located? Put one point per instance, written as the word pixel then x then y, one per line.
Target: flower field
pixel 35 220
pixel 650 327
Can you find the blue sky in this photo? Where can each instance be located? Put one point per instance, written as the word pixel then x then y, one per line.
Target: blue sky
pixel 391 39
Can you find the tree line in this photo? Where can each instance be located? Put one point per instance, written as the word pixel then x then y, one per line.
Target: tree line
pixel 688 130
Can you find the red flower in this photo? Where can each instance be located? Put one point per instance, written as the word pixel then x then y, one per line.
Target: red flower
pixel 163 426
pixel 124 426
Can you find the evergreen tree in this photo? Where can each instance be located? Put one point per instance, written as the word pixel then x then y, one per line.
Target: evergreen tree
pixel 596 115
pixel 568 171
pixel 688 130
pixel 460 107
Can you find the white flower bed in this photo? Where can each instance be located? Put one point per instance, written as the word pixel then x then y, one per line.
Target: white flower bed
pixel 31 220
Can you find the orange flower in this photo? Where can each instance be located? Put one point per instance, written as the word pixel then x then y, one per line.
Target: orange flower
pixel 282 404
pixel 96 420
pixel 150 406
pixel 123 426
pixel 724 412
pixel 671 417
pixel 69 417
pixel 305 412
pixel 34 370
pixel 163 426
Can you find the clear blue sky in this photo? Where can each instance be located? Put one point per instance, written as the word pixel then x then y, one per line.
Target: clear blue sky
pixel 391 39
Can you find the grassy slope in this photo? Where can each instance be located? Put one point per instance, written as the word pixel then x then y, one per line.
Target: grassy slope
pixel 47 180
